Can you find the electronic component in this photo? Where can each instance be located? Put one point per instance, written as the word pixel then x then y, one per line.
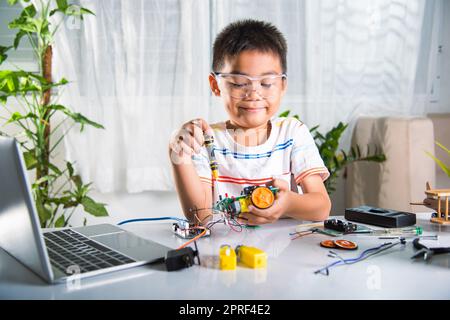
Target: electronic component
pixel 227 258
pixel 327 244
pixel 380 217
pixel 339 225
pixel 339 244
pixel 186 230
pixel 251 257
pixel 181 258
pixel 261 197
pixel 346 244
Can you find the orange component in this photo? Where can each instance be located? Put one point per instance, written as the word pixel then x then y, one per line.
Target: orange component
pixel 346 244
pixel 262 197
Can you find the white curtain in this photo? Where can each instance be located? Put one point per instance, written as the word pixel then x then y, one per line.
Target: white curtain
pixel 140 68
pixel 361 59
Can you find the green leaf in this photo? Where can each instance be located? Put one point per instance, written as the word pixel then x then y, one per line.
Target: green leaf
pixel 12 2
pixel 55 169
pixel 26 22
pixel 44 214
pixel 61 201
pixel 77 180
pixel 13 82
pixel 43 179
pixel 86 11
pixel 3 54
pixel 18 37
pixel 285 113
pixel 94 208
pixel 52 12
pixel 62 4
pixel 43 210
pixel 443 148
pixel 60 222
pixel 77 117
pixel 69 168
pixel 29 11
pixel 3 99
pixel 441 164
pixel 16 116
pixel 353 152
pixel 30 159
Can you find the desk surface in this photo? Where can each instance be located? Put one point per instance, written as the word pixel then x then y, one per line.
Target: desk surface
pixel 289 273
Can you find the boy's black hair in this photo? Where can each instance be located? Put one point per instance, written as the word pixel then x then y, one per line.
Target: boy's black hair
pixel 248 35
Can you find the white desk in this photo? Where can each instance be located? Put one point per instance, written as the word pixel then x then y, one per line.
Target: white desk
pixel 289 274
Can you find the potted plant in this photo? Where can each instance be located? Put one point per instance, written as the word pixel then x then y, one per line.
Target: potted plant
pixel 335 160
pixel 57 191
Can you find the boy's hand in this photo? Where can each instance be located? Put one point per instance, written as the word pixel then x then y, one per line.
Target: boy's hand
pixel 189 138
pixel 280 206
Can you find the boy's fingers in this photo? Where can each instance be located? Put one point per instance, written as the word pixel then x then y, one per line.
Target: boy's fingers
pixel 204 126
pixel 187 138
pixel 175 147
pixel 251 219
pixel 186 149
pixel 263 213
pixel 197 133
pixel 280 183
pixel 193 144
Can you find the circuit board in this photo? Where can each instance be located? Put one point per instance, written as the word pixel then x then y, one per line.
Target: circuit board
pixel 187 230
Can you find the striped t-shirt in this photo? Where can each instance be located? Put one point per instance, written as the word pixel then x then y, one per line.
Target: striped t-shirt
pixel 289 149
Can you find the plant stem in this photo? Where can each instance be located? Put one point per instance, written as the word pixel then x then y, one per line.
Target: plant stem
pixel 47 74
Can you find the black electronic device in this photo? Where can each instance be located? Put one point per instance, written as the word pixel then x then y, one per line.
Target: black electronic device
pixel 380 217
pixel 181 258
pixel 339 225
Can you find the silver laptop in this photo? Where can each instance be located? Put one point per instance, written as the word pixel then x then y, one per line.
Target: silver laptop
pixel 59 255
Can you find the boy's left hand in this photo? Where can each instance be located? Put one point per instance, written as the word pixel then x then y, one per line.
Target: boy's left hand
pixel 280 206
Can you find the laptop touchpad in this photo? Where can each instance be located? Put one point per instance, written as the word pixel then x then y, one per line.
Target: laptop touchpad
pixel 135 247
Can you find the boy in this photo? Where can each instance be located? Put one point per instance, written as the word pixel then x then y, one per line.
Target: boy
pixel 253 147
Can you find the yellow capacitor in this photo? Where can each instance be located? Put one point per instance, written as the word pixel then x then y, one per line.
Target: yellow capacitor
pixel 227 258
pixel 251 256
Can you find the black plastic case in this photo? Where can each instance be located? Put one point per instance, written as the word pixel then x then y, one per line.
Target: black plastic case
pixel 380 217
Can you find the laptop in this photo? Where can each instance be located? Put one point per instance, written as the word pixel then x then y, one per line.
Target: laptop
pixel 58 255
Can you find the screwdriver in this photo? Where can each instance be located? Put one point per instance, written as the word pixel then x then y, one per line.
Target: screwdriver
pixel 209 144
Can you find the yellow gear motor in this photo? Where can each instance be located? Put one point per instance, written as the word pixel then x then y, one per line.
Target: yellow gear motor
pixel 227 258
pixel 251 257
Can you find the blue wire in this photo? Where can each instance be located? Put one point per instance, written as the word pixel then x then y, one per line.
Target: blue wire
pixel 151 219
pixel 359 258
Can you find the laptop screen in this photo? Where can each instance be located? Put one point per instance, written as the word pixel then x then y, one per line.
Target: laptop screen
pixel 20 233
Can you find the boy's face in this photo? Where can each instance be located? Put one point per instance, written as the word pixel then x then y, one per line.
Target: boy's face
pixel 253 110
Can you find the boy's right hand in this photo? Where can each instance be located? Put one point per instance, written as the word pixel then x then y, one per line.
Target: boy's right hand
pixel 189 138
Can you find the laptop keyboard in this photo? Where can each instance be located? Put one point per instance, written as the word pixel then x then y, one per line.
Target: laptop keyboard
pixel 68 248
